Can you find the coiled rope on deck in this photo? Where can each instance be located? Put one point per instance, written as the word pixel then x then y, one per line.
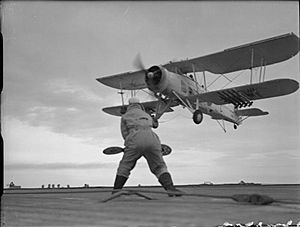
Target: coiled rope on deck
pixel 255 199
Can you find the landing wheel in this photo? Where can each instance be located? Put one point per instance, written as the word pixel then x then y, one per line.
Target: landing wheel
pixel 235 126
pixel 197 117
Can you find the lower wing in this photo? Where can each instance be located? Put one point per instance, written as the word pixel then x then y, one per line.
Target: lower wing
pixel 243 95
pixel 149 107
pixel 127 81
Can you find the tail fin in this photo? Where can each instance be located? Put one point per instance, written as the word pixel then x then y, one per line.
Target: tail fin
pixel 252 112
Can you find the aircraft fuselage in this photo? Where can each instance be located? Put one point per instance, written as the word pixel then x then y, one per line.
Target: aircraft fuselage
pixel 172 85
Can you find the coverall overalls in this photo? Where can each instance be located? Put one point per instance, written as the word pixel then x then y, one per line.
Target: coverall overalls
pixel 140 141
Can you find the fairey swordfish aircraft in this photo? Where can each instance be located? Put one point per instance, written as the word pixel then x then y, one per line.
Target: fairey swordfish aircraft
pixel 175 83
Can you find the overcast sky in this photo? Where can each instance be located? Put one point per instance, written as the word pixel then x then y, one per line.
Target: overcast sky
pixel 53 127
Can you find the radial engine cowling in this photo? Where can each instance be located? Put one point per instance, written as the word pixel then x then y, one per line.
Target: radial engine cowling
pixel 156 79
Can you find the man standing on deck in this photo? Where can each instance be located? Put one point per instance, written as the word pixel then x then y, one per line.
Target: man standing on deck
pixel 140 141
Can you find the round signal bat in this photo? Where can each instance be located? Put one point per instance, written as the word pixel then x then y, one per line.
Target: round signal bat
pixel 165 150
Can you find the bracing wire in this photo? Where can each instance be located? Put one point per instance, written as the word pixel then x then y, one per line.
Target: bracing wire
pixel 233 79
pixel 226 77
pixel 213 81
pixel 230 80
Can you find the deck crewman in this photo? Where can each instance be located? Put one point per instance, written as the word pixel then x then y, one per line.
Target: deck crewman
pixel 140 140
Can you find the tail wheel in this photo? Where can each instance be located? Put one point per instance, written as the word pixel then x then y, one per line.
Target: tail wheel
pixel 197 117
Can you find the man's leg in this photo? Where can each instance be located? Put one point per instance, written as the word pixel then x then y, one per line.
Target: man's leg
pixel 119 183
pixel 165 180
pixel 158 167
pixel 126 164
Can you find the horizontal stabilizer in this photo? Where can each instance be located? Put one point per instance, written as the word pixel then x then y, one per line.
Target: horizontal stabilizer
pixel 252 112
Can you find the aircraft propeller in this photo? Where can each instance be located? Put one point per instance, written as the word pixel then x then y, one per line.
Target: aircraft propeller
pixel 149 73
pixel 138 63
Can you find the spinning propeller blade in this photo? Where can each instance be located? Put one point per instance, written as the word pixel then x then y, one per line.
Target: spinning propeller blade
pixel 138 63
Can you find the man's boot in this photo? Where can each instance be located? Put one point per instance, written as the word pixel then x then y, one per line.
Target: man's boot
pixel 166 181
pixel 119 183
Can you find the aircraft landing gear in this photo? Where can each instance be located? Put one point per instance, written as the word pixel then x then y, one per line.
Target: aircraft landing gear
pixel 197 117
pixel 235 126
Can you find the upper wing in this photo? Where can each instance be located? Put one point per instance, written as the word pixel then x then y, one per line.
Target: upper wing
pixel 149 107
pixel 266 52
pixel 127 81
pixel 242 95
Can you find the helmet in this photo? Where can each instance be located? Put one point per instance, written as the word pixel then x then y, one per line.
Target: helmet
pixel 133 100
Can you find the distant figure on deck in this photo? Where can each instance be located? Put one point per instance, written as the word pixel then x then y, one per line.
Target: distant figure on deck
pixel 140 141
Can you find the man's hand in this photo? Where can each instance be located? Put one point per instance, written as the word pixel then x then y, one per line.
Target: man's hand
pixel 154 122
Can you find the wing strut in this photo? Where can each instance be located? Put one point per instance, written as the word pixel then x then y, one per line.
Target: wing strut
pixel 195 77
pixel 121 93
pixel 161 108
pixel 204 80
pixel 222 125
pixel 188 105
pixel 123 108
pixel 262 71
pixel 252 59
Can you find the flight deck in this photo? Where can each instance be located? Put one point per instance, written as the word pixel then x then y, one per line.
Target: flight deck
pixel 86 206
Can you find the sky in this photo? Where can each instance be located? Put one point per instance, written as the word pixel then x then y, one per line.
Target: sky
pixel 52 124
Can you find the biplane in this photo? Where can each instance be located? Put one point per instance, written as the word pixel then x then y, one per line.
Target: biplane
pixel 176 84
